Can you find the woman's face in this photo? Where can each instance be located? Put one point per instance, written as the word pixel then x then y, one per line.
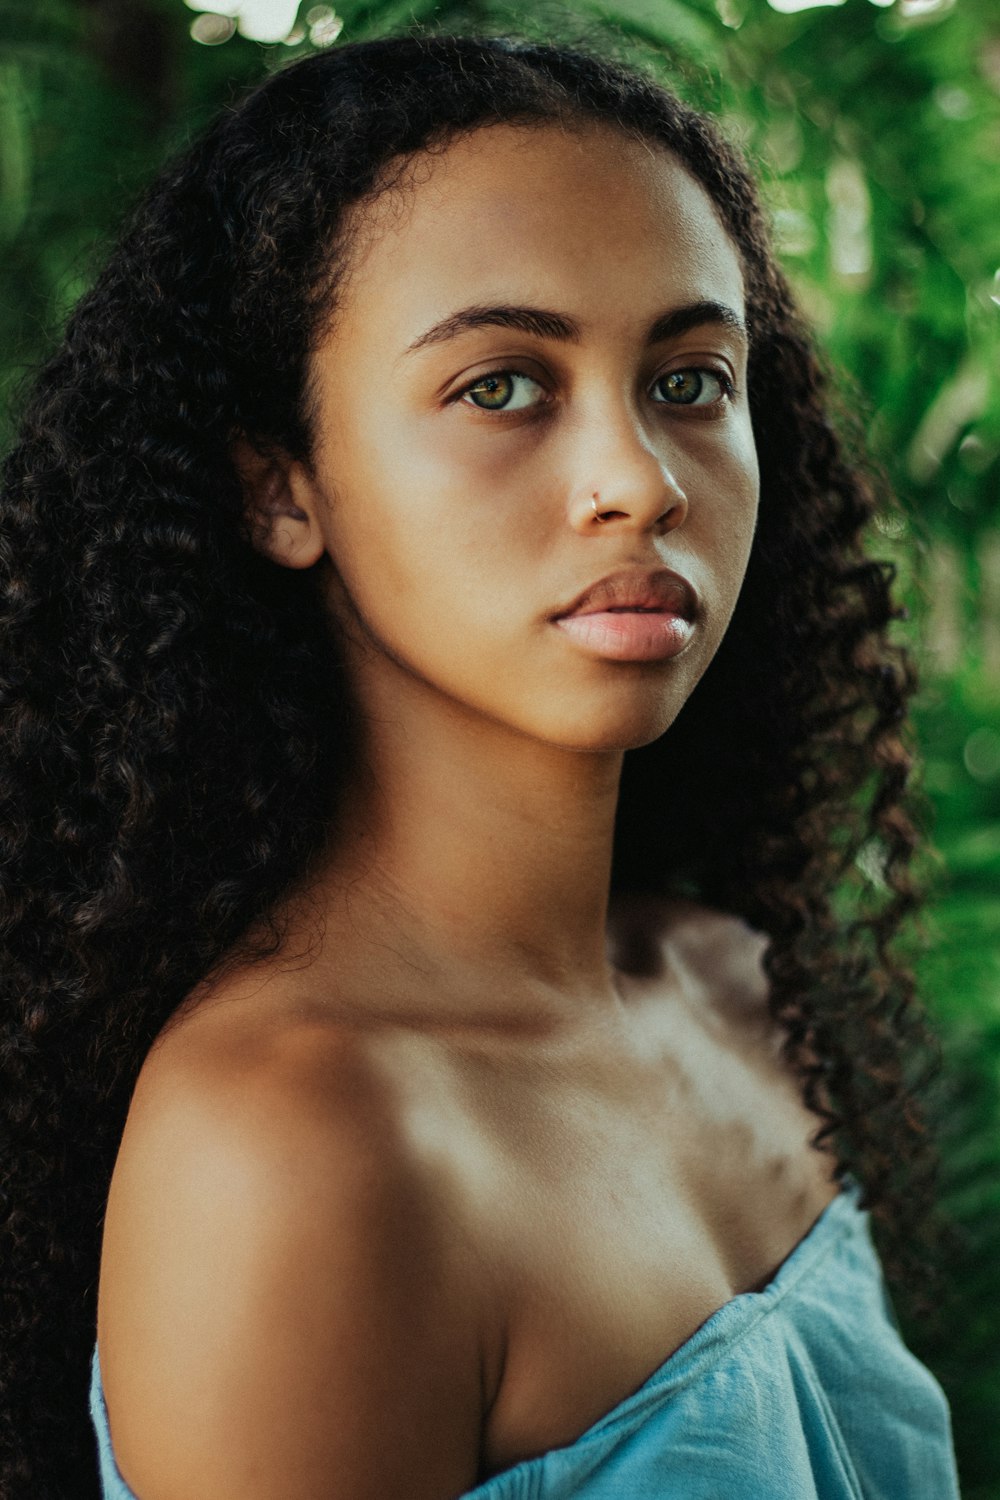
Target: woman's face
pixel 541 317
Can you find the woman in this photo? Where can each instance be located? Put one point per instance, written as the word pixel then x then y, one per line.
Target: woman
pixel 397 1072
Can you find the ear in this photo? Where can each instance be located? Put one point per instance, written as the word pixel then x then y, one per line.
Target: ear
pixel 283 505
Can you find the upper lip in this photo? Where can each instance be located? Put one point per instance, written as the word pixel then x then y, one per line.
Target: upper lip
pixel 635 588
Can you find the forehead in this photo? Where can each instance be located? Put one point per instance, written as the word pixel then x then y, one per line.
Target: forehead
pixel 542 213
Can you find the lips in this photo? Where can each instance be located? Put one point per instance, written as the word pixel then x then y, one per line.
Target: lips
pixel 655 590
pixel 634 615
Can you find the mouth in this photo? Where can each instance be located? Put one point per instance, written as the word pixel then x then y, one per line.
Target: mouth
pixel 635 614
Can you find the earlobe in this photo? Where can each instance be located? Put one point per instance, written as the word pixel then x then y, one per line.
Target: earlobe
pixel 282 507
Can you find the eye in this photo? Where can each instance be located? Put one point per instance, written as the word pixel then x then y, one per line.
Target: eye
pixel 694 387
pixel 502 390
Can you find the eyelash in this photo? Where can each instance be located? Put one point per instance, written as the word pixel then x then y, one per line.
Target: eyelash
pixel 727 387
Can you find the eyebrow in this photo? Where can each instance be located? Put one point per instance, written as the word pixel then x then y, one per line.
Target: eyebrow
pixel 553 325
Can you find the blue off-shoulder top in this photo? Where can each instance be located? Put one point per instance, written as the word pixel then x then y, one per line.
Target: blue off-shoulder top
pixel 802 1391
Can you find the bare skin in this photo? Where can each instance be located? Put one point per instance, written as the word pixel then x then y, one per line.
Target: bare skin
pixel 577 1157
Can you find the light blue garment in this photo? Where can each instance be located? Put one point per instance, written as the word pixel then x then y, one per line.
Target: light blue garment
pixel 803 1391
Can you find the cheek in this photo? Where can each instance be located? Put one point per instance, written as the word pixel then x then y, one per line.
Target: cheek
pixel 722 470
pixel 428 507
pixel 742 481
pixel 434 550
pixel 722 522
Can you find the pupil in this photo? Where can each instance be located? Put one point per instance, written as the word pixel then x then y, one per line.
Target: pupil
pixel 684 385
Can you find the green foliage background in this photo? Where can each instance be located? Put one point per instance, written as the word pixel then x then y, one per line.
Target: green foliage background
pixel 876 129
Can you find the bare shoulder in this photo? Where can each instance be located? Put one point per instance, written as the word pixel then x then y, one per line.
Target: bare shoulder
pixel 716 952
pixel 722 949
pixel 284 1310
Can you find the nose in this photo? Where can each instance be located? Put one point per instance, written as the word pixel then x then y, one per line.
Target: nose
pixel 631 485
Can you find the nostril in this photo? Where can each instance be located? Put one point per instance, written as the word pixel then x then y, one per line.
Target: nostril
pixel 674 513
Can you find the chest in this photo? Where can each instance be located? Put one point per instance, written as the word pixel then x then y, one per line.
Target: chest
pixel 615 1217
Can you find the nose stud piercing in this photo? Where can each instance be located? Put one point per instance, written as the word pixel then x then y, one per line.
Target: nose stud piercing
pixel 597 514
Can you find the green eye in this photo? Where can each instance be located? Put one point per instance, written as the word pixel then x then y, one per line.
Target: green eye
pixel 501 390
pixel 693 387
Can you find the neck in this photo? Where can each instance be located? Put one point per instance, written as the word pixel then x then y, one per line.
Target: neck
pixel 472 869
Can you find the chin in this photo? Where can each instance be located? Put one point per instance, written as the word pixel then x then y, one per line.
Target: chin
pixel 614 709
pixel 588 717
pixel 616 732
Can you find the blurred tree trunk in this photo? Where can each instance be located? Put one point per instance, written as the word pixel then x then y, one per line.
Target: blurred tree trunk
pixel 135 43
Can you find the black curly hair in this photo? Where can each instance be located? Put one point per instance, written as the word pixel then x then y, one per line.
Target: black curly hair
pixel 175 723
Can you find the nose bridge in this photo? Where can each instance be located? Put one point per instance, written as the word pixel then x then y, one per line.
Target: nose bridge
pixel 632 468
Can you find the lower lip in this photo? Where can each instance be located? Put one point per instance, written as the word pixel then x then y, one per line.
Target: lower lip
pixel 629 635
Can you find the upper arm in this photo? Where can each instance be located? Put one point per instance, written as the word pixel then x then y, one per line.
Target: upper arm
pixel 279 1314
